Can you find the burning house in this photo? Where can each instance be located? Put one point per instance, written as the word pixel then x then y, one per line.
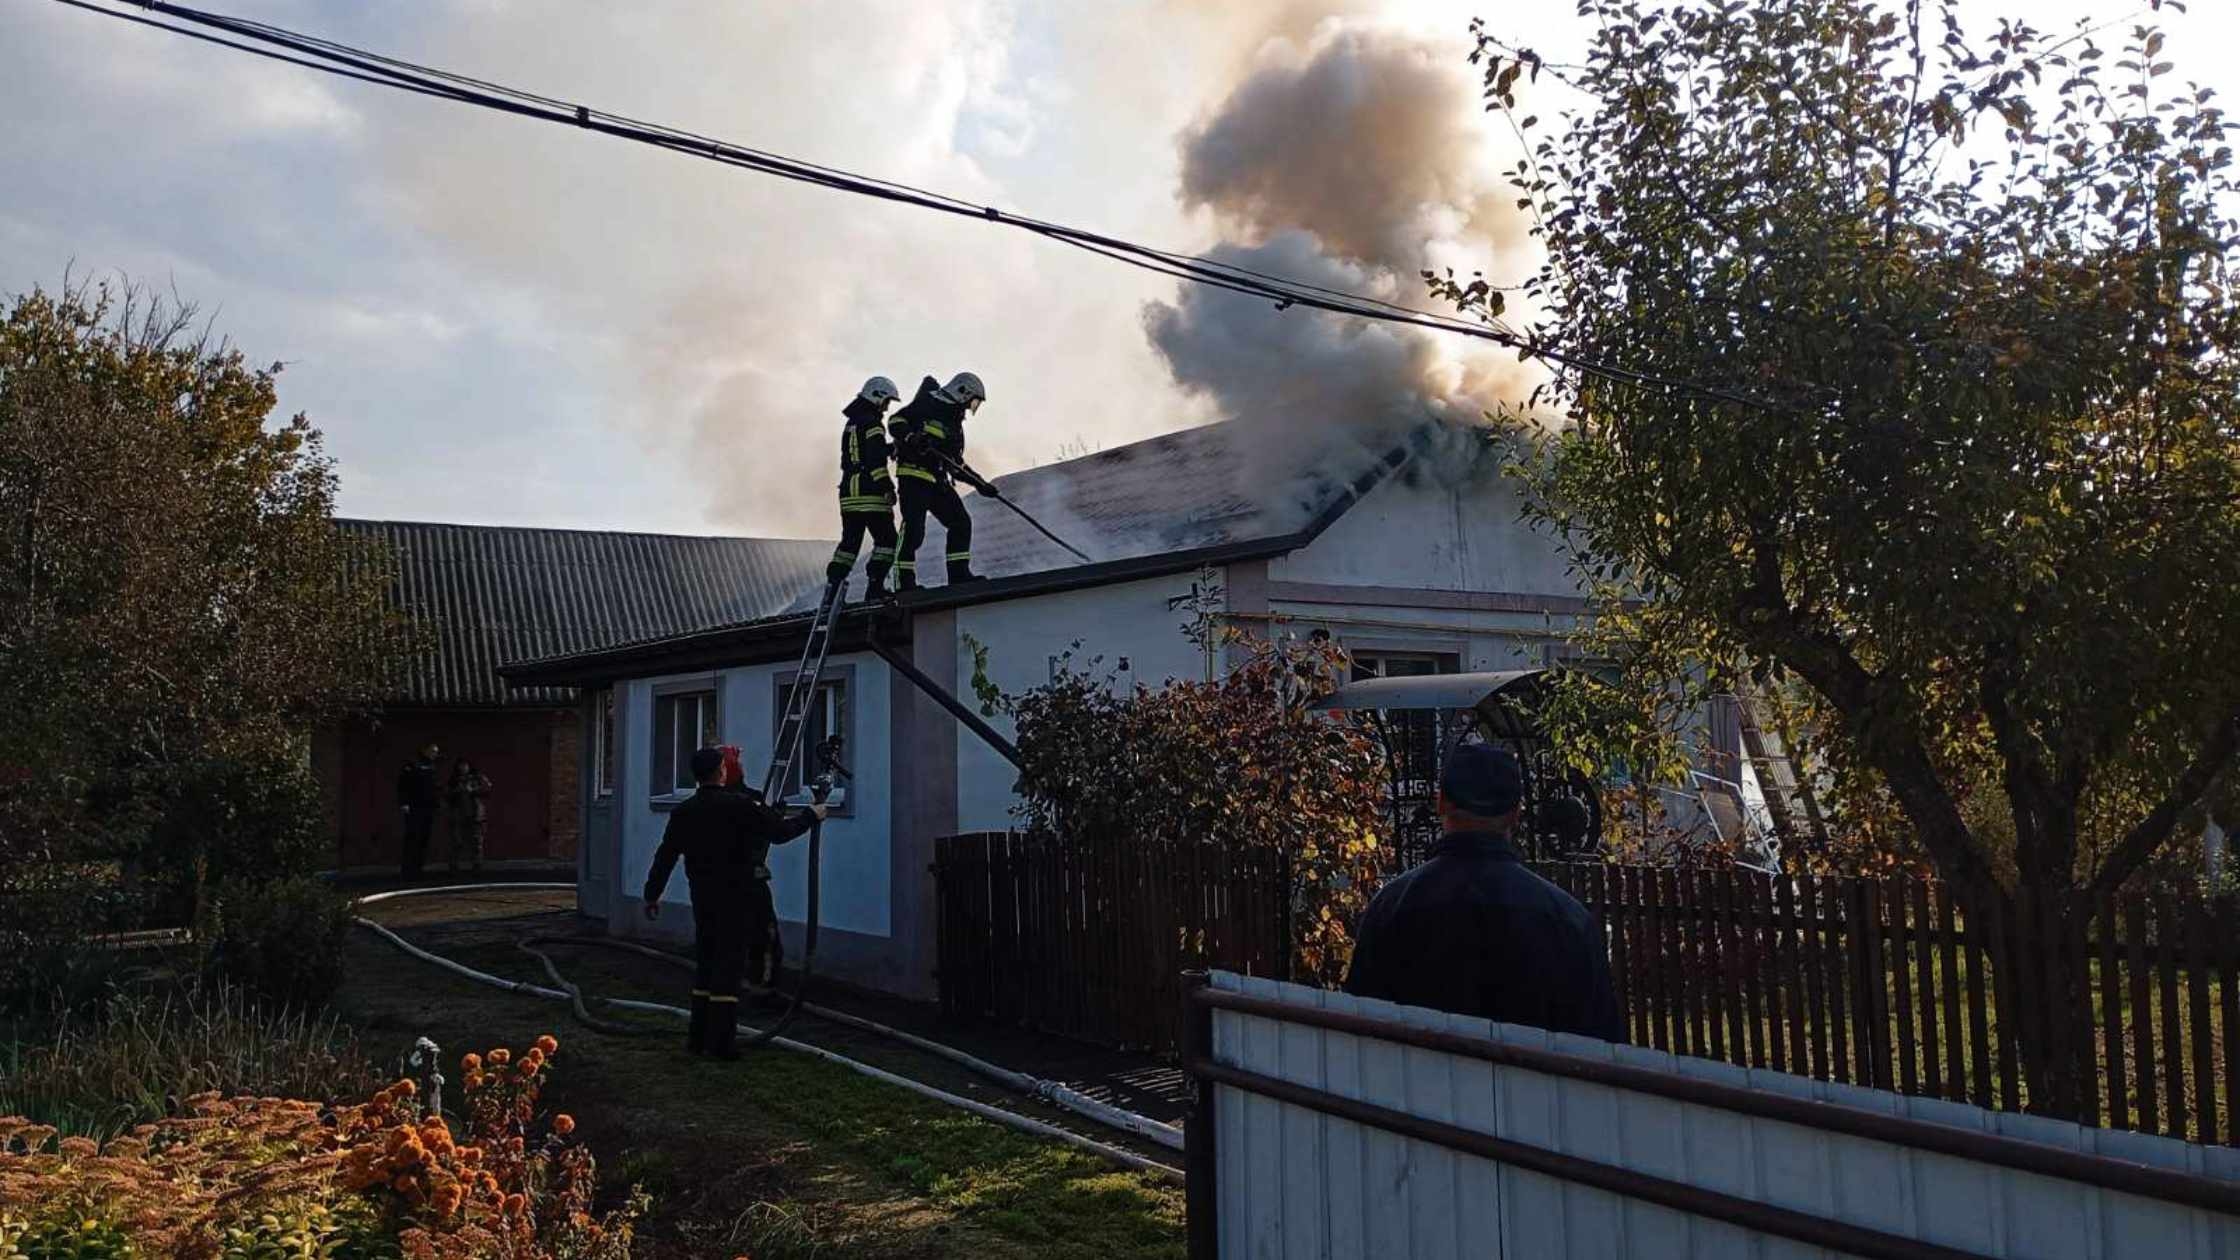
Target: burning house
pixel 1411 568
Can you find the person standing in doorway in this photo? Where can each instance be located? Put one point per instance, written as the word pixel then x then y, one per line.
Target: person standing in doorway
pixel 417 793
pixel 469 790
pixel 1474 931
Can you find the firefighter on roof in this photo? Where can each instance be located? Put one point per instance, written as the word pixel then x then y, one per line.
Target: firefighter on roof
pixel 866 487
pixel 929 455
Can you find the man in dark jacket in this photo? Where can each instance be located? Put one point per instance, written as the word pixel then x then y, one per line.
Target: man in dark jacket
pixel 1474 932
pixel 724 835
pixel 417 792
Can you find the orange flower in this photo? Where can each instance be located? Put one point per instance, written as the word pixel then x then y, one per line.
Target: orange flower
pixel 500 1057
pixel 406 1088
pixel 472 1063
pixel 549 1044
pixel 516 1205
pixel 534 1056
pixel 563 1124
pixel 529 1067
pixel 475 1079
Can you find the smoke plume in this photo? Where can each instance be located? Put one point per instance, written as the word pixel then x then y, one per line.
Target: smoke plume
pixel 1352 159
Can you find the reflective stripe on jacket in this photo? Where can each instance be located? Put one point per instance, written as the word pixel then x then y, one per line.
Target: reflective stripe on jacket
pixel 865 483
pixel 928 425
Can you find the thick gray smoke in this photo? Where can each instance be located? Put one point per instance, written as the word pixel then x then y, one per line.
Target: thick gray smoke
pixel 1354 160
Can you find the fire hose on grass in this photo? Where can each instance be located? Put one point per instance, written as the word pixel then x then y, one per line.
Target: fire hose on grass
pixel 1046 1091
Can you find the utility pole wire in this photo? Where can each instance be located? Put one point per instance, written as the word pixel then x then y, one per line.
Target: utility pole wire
pixel 331 57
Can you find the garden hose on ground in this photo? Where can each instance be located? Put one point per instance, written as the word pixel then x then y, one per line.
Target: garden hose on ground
pixel 1052 1092
pixel 1057 1095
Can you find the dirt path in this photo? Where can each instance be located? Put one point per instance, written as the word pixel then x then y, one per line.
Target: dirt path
pixel 780 1155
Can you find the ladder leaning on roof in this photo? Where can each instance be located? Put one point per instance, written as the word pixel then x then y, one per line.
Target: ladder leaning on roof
pixel 1771 751
pixel 795 724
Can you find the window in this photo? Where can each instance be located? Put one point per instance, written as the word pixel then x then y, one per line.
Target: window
pixel 683 722
pixel 829 715
pixel 1414 738
pixel 1374 664
pixel 602 746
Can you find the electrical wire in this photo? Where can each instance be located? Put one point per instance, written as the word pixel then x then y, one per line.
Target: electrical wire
pixel 347 61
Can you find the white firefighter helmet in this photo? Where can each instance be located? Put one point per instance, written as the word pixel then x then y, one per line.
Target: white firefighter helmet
pixel 879 391
pixel 966 388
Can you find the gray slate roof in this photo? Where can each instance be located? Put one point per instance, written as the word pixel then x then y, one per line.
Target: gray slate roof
pixel 496 593
pixel 1216 485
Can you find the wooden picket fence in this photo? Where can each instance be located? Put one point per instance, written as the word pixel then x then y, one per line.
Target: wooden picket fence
pixel 1089 940
pixel 1878 982
pixel 1883 982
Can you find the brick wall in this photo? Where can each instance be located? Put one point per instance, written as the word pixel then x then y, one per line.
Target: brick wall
pixel 566 823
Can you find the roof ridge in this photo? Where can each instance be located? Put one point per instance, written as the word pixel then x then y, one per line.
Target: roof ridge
pixel 598 533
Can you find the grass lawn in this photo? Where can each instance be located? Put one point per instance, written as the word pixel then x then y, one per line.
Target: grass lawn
pixel 779 1155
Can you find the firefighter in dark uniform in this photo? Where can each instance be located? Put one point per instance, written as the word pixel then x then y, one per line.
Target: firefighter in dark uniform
pixel 866 487
pixel 929 455
pixel 723 834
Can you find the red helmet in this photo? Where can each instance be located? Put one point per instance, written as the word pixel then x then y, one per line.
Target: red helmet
pixel 733 773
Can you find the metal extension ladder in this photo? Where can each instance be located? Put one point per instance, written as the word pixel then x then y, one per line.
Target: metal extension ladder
pixel 1788 790
pixel 804 694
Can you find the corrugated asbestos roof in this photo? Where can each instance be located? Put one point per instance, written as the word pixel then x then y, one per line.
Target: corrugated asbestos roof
pixel 1219 485
pixel 1145 509
pixel 494 594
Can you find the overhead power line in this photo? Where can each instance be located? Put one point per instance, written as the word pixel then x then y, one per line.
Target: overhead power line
pixel 328 56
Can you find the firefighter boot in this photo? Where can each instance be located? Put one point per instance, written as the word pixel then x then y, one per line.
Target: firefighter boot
pixel 723 1028
pixel 696 1038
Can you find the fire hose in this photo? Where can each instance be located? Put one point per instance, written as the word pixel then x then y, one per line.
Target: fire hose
pixel 988 488
pixel 1049 1092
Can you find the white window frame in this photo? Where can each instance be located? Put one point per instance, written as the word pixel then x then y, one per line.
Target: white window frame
pixel 603 767
pixel 708 709
pixel 837 681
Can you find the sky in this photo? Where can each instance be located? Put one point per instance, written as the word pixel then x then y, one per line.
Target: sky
pixel 503 322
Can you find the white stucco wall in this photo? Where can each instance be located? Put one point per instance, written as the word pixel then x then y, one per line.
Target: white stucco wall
pixel 1128 622
pixel 856 895
pixel 1423 536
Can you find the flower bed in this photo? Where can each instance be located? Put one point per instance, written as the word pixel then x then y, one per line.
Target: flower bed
pixel 259 1177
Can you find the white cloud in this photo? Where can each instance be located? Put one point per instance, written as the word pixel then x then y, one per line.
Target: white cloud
pixel 500 320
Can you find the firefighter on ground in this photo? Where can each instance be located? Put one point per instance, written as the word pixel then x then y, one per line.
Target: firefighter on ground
pixel 724 835
pixel 866 487
pixel 929 455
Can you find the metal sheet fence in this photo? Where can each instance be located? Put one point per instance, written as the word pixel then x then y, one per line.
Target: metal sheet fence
pixel 1088 940
pixel 1413 1133
pixel 1884 982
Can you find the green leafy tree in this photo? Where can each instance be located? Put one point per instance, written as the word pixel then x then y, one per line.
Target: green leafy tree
pixel 1934 406
pixel 176 607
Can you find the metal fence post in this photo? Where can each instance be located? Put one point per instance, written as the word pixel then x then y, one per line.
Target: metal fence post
pixel 1199 1163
